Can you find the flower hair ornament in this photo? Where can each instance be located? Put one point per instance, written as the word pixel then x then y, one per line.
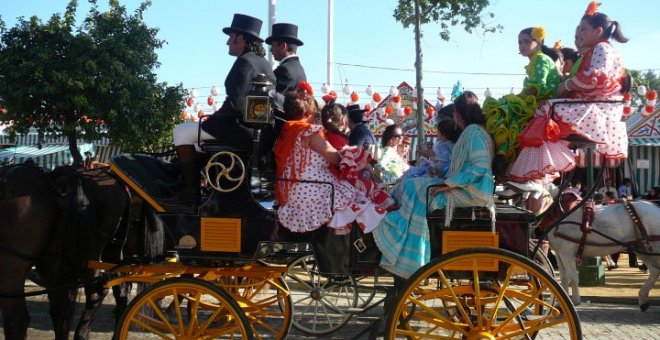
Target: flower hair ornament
pixel 304 86
pixel 331 97
pixel 592 8
pixel 558 45
pixel 538 33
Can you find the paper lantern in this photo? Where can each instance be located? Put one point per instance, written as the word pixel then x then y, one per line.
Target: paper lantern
pixel 396 105
pixel 347 90
pixel 429 111
pixel 190 101
pixel 377 97
pixel 324 88
pixel 396 99
pixel 184 115
pixel 651 95
pixel 389 109
pixel 368 108
pixel 193 93
pixel 369 90
pixel 641 90
pixel 200 113
pixel 215 91
pixel 487 93
pixel 648 109
pixel 407 110
pixel 400 112
pixel 511 92
pixel 209 100
pixel 354 97
pixel 216 107
pixel 394 91
pixel 414 105
pixel 627 97
pixel 627 110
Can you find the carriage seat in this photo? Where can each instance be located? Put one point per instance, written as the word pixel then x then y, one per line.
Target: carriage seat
pixel 149 174
pixel 211 146
pixel 513 224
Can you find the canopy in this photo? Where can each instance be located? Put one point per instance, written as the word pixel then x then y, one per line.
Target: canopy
pixel 48 156
pixel 644 131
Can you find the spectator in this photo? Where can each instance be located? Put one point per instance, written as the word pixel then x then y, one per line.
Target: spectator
pixel 626 190
pixel 609 186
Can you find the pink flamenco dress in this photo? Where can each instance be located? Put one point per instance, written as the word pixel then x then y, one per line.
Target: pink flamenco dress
pixel 309 206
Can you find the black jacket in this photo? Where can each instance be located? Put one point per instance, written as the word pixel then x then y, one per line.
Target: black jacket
pixel 289 74
pixel 361 136
pixel 224 124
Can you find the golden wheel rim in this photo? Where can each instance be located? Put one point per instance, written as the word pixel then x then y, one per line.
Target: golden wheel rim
pixel 517 302
pixel 183 308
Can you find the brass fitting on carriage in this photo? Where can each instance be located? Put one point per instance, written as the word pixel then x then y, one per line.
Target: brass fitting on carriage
pixel 172 256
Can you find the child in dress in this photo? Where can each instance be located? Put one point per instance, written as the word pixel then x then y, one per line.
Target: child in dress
pixel 506 117
pixel 437 159
pixel 598 77
pixel 335 124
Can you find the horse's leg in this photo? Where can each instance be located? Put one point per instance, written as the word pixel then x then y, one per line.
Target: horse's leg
pixel 568 275
pixel 121 292
pixel 94 295
pixel 15 318
pixel 62 305
pixel 654 271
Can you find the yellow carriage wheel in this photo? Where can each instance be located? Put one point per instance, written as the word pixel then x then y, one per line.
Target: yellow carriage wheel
pixel 482 293
pixel 183 308
pixel 265 301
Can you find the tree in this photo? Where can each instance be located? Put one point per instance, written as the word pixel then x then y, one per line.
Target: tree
pixel 449 13
pixel 648 79
pixel 84 82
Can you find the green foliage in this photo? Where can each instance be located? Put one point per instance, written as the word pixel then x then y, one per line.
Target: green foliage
pixel 647 78
pixel 449 13
pixel 87 81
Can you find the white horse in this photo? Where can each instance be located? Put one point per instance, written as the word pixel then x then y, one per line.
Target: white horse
pixel 613 221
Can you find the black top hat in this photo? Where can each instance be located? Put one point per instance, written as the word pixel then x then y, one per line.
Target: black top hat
pixel 285 32
pixel 244 24
pixel 356 114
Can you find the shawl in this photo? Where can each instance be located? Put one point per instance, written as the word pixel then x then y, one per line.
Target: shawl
pixel 284 159
pixel 460 154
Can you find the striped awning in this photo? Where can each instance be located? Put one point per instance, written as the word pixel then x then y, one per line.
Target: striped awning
pixel 640 141
pixel 582 161
pixel 48 156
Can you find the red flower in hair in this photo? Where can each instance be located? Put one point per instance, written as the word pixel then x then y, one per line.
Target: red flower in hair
pixel 304 86
pixel 592 8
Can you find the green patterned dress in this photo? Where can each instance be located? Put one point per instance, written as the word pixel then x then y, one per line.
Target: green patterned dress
pixel 507 117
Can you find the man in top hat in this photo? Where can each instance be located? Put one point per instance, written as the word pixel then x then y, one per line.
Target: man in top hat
pixel 225 125
pixel 284 43
pixel 360 134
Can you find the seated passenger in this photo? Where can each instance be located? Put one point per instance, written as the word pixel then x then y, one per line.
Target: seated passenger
pixel 391 166
pixel 437 159
pixel 403 236
pixel 302 153
pixel 335 123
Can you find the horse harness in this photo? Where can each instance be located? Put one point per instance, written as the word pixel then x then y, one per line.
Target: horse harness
pixel 587 220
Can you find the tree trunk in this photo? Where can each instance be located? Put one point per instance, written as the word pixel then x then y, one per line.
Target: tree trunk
pixel 421 109
pixel 73 148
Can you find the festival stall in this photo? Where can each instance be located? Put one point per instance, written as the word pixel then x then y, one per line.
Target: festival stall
pixel 644 149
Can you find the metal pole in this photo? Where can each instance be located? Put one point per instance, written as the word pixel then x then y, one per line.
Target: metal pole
pixel 331 38
pixel 421 109
pixel 272 17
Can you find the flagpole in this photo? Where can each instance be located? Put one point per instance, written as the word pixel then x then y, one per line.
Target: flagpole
pixel 331 15
pixel 272 17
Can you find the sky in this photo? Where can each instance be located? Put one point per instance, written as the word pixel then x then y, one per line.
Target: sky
pixel 366 33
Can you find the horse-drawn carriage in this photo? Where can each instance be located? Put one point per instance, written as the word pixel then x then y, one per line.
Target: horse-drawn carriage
pixel 233 272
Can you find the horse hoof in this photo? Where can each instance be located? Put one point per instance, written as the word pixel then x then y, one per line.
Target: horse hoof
pixel 644 306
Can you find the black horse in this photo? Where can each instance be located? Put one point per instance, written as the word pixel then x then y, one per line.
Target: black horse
pixel 55 222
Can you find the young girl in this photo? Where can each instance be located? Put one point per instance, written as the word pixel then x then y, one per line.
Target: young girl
pixel 438 158
pixel 335 124
pixel 599 77
pixel 506 117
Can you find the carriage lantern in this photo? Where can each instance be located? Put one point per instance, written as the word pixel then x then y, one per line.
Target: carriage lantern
pixel 257 103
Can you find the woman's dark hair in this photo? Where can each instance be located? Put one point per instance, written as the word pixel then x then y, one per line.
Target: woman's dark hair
pixel 570 54
pixel 611 28
pixel 545 49
pixel 446 112
pixel 331 115
pixel 467 106
pixel 388 134
pixel 254 45
pixel 449 129
pixel 298 104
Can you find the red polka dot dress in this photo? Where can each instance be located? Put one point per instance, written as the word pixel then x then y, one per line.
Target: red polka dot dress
pixel 310 205
pixel 598 78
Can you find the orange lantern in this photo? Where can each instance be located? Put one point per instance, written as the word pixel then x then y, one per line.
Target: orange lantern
pixel 209 100
pixel 354 97
pixel 429 111
pixel 190 101
pixel 389 109
pixel 407 110
pixel 396 99
pixel 184 116
pixel 200 113
pixel 377 98
pixel 368 108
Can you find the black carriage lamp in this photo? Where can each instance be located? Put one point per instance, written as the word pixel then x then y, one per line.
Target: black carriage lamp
pixel 257 112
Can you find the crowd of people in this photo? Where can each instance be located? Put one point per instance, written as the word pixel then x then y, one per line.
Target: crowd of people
pixel 521 137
